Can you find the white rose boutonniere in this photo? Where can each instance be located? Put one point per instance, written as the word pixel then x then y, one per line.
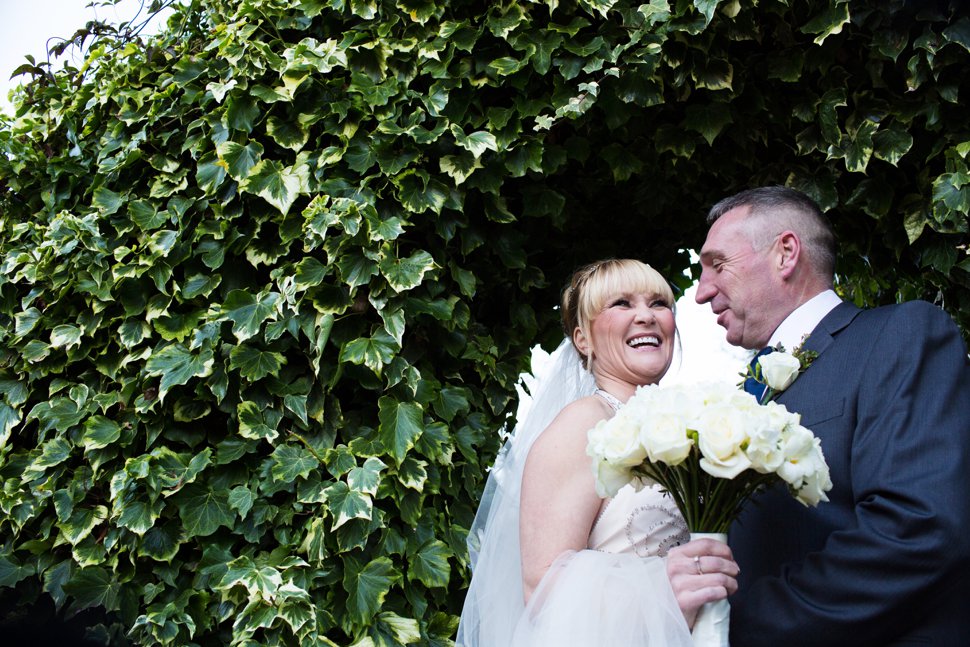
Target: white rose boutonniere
pixel 774 370
pixel 779 370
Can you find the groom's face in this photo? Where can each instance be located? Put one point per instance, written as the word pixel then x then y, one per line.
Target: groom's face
pixel 738 281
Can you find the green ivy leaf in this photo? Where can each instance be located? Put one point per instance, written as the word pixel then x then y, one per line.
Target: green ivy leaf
pixel 9 418
pixel 13 571
pixel 203 511
pixel 828 22
pixel 177 365
pixel 248 312
pixel 255 364
pixel 241 500
pixel 239 159
pixel 407 273
pixel 708 120
pixel 374 352
pixel 93 587
pixel 429 565
pixel 107 201
pixel 278 185
pixel 291 462
pixel 890 145
pixel 99 432
pixel 367 477
pixel 401 425
pixel 25 321
pixel 367 587
pixel 255 423
pixel 346 504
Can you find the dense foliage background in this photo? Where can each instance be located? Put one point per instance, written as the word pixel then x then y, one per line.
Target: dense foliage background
pixel 269 277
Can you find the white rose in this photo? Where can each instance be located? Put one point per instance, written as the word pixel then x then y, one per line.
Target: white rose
pixel 769 426
pixel 617 441
pixel 665 438
pixel 765 449
pixel 721 431
pixel 779 369
pixel 804 468
pixel 610 478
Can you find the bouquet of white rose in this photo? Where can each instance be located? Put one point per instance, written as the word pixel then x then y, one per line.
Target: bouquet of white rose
pixel 710 447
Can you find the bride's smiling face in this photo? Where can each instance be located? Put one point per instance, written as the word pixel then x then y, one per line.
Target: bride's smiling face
pixel 631 339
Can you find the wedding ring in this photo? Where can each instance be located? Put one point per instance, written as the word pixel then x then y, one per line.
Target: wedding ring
pixel 697 563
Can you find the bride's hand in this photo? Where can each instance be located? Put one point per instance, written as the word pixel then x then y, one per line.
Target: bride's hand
pixel 701 571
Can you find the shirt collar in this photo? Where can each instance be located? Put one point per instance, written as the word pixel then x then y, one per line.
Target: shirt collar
pixel 803 320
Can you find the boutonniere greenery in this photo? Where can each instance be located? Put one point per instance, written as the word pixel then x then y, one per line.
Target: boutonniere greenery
pixel 778 369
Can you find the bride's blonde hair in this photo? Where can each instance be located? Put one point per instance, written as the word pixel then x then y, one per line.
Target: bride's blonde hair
pixel 589 288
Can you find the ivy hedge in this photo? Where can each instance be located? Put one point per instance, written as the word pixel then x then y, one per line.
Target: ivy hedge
pixel 270 276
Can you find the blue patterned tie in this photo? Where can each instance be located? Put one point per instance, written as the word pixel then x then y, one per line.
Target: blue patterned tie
pixel 753 386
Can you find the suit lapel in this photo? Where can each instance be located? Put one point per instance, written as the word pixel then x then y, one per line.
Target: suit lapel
pixel 830 326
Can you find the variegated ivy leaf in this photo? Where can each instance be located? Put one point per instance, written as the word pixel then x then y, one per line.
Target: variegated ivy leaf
pixel 248 312
pixel 253 363
pixel 368 586
pixel 406 273
pixel 278 185
pixel 203 510
pixel 177 365
pixel 429 564
pixel 402 423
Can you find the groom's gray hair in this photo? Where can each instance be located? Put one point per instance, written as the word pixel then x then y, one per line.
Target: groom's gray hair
pixel 773 209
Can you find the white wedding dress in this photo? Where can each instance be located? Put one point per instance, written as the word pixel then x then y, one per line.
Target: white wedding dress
pixel 615 593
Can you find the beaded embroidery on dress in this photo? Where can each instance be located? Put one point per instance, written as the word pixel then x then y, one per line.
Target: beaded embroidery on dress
pixel 645 523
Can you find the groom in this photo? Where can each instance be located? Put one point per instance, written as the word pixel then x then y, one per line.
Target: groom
pixel 887 560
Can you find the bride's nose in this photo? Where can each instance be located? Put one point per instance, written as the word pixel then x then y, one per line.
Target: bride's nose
pixel 645 314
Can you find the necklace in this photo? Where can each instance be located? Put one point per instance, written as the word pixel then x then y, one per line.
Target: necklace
pixel 611 400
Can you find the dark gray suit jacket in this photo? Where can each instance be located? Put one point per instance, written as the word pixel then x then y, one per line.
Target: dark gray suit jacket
pixel 887 560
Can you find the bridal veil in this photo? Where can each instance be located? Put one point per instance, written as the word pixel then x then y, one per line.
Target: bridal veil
pixel 587 597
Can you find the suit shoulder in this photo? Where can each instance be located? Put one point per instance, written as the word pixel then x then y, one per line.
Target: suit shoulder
pixel 910 313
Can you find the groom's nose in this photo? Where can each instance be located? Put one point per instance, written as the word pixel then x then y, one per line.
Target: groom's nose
pixel 705 286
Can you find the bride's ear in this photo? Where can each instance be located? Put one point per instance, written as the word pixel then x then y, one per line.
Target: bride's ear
pixel 581 342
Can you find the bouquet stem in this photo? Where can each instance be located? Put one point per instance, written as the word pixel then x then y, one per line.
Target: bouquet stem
pixel 712 623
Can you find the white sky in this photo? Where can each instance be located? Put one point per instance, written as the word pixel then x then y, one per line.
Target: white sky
pixel 26 26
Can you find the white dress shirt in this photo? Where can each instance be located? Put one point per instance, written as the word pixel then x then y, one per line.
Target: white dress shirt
pixel 803 319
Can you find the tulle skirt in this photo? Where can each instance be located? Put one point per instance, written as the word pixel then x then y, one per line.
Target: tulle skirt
pixel 594 599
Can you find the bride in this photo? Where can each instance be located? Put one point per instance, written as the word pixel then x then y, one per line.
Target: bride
pixel 552 562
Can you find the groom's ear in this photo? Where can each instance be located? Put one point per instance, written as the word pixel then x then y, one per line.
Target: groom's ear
pixel 789 253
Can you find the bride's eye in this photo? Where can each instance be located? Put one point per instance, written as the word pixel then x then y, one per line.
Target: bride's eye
pixel 621 303
pixel 659 303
